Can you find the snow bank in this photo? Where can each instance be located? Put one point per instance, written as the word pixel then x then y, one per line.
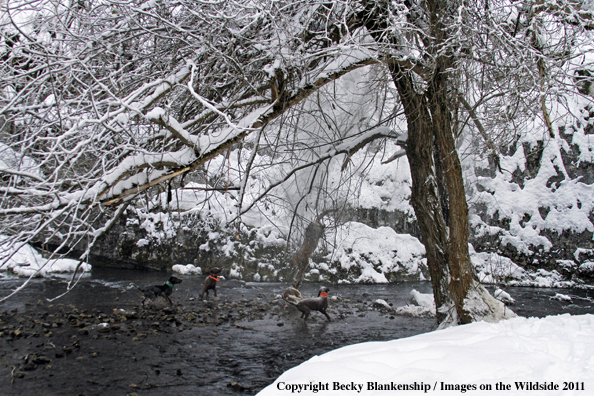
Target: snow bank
pixel 370 255
pixel 495 269
pixel 28 262
pixel 555 352
pixel 188 269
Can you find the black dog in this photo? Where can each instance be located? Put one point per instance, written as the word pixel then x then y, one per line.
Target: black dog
pixel 319 303
pixel 164 291
pixel 210 283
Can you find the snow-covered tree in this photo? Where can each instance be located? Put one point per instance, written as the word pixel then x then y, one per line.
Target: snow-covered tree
pixel 104 101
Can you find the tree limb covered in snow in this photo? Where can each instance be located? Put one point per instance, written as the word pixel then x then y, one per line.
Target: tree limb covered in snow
pixel 345 148
pixel 268 113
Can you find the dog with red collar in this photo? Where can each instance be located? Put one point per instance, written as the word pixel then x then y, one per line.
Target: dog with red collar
pixel 210 283
pixel 320 304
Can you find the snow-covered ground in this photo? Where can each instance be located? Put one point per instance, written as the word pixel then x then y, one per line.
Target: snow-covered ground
pixel 548 356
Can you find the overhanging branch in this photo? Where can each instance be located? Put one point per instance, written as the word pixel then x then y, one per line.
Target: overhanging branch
pixel 260 122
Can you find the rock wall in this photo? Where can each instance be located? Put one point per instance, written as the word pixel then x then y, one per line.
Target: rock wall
pixel 156 242
pixel 144 241
pixel 538 211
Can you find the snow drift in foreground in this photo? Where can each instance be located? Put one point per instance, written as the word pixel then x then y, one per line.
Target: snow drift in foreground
pixel 523 355
pixel 28 262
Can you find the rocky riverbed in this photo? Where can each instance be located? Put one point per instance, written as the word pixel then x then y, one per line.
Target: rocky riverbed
pixel 98 340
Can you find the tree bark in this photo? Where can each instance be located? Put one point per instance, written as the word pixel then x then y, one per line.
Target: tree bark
pixel 425 197
pixel 459 264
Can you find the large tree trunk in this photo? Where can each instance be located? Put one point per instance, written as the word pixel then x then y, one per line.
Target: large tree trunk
pixel 437 195
pixel 471 299
pixel 424 195
pixel 459 297
pixel 460 266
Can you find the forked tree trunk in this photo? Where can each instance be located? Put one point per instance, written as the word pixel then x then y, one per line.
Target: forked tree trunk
pixel 300 259
pixel 459 297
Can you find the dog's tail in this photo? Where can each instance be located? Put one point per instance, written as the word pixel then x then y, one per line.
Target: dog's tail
pixel 133 285
pixel 292 295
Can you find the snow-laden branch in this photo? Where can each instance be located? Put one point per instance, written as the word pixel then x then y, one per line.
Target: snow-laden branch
pixel 17 172
pixel 213 145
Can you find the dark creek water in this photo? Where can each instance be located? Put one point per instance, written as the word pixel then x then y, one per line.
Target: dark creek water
pixel 236 343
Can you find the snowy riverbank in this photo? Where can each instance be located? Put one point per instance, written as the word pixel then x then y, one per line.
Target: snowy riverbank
pixel 363 256
pixel 27 262
pixel 549 356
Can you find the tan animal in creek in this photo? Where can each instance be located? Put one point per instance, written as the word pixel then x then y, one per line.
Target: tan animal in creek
pixel 291 294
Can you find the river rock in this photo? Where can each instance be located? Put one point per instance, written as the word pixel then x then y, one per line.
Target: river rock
pixel 40 360
pixel 29 366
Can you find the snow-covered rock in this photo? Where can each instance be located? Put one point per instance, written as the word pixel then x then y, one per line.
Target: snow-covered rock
pixel 503 296
pixel 188 269
pixel 421 305
pixel 561 297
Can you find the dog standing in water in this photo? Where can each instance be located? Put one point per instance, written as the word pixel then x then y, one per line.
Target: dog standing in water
pixel 164 291
pixel 210 283
pixel 319 303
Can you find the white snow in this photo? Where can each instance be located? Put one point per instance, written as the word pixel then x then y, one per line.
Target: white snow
pixel 28 262
pixel 377 252
pixel 387 186
pixel 561 297
pixel 555 352
pixel 422 305
pixel 142 242
pixel 495 269
pixel 503 296
pixel 549 202
pixel 14 163
pixel 188 269
pixel 422 299
pixel 382 303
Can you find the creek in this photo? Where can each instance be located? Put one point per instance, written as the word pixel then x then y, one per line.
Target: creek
pixel 238 342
